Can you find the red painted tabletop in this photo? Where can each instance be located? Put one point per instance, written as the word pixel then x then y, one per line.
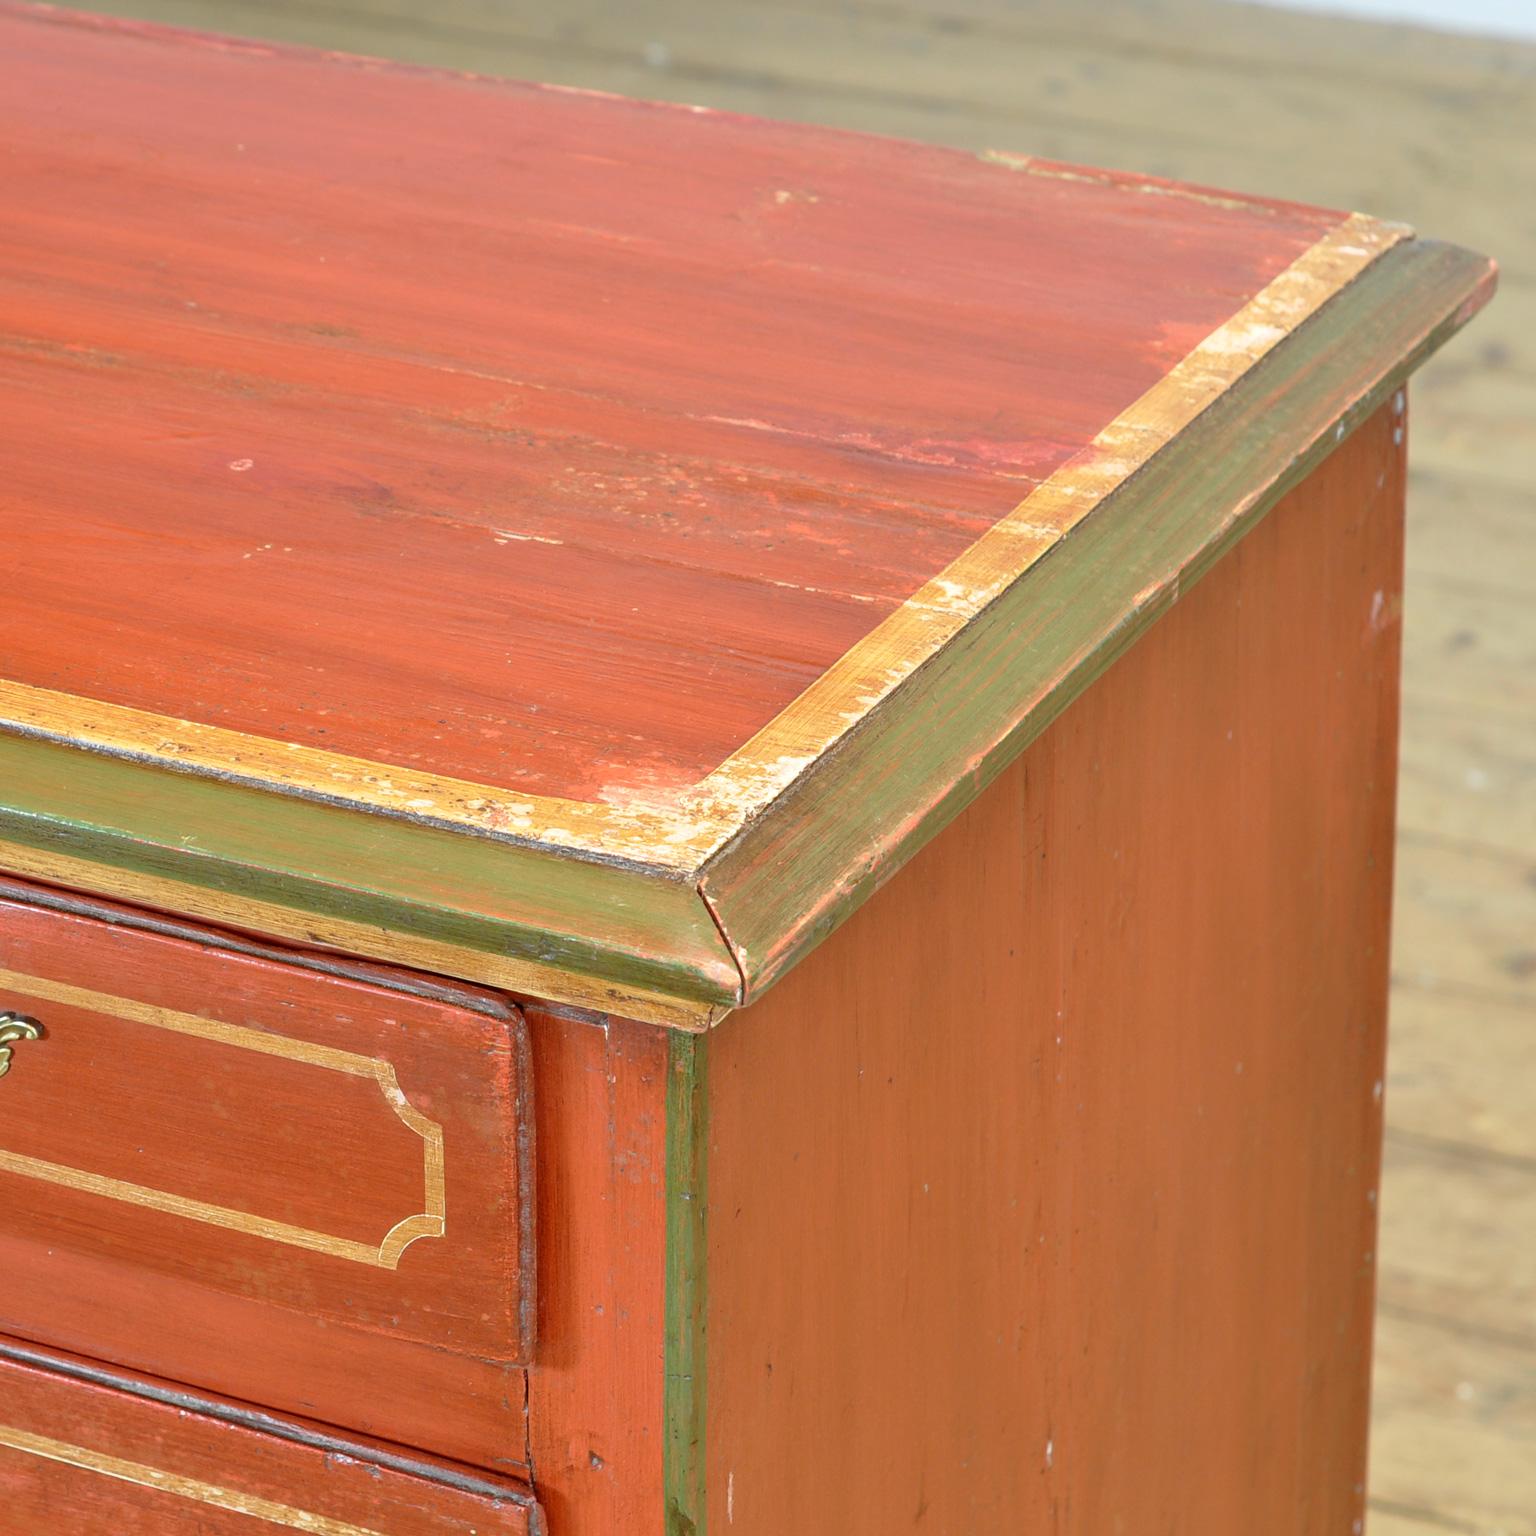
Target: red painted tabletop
pixel 527 436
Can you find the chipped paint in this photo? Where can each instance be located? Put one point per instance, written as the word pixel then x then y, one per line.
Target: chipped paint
pixel 1120 181
pixel 908 637
pixel 804 866
pixel 666 835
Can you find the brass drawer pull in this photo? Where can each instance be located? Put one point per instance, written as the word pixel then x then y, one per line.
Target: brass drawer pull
pixel 14 1027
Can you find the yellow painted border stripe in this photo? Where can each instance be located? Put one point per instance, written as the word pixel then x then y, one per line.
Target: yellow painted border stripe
pixel 877 665
pixel 643 835
pixel 384 1255
pixel 174 1483
pixel 681 836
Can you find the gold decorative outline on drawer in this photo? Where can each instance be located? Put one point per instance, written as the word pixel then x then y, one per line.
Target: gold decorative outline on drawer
pixel 173 1482
pixel 429 1223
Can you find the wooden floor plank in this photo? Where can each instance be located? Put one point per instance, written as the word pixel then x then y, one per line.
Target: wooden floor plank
pixel 1479 418
pixel 1402 1520
pixel 1459 1070
pixel 1466 922
pixel 1471 644
pixel 1453 1435
pixel 1474 529
pixel 1469 775
pixel 1445 1207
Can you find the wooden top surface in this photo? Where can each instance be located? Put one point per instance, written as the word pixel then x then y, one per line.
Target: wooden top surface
pixel 549 467
pixel 534 438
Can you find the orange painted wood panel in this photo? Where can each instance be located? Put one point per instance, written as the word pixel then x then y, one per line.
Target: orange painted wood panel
pixel 1042 1196
pixel 89 1459
pixel 273 1179
pixel 615 424
pixel 595 1403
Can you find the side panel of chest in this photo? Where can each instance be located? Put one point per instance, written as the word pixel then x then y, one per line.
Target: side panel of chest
pixel 1041 1197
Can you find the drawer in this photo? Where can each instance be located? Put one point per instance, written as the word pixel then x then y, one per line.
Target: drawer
pixel 82 1455
pixel 280 1177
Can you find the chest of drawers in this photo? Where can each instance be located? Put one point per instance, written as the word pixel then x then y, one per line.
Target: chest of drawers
pixel 695 816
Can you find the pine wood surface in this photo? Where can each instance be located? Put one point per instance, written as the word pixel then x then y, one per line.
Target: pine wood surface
pixel 1432 129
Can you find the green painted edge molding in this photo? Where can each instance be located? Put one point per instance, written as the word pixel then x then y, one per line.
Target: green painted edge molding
pixel 684 949
pixel 685 1308
pixel 921 756
pixel 596 920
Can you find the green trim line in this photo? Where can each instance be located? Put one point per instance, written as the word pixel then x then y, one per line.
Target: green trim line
pixel 686 1303
pixel 615 926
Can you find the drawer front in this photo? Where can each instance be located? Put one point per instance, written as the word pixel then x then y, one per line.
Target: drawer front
pixel 89 1459
pixel 249 1173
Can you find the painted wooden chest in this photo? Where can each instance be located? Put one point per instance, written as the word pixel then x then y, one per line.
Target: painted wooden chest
pixel 695 816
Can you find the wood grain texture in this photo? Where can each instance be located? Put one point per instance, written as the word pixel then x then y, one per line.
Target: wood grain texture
pixel 86 1458
pixel 1459 1073
pixel 554 354
pixel 596 1405
pixel 851 821
pixel 693 821
pixel 296 1186
pixel 1058 1210
pixel 709 481
pixel 1428 127
pixel 1456 1409
pixel 1445 1205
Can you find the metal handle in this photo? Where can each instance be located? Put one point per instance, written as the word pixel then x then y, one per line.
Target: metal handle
pixel 14 1027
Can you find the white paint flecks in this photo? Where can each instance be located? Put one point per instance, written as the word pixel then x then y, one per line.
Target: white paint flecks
pixel 505 535
pixel 1238 338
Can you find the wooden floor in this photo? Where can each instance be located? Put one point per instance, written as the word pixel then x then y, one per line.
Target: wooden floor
pixel 1436 130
